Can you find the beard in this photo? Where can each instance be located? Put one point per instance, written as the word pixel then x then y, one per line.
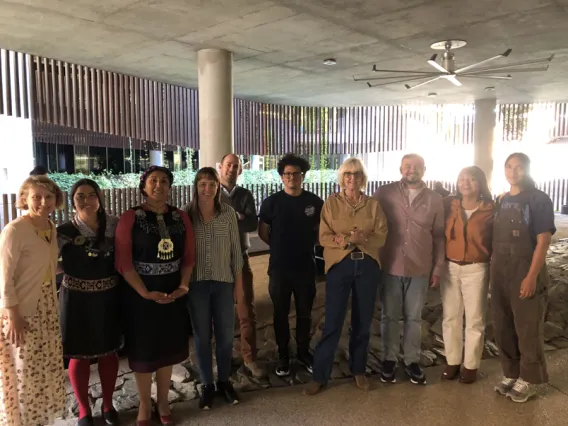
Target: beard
pixel 411 180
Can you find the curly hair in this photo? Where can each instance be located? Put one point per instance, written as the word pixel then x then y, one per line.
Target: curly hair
pixel 293 160
pixel 35 181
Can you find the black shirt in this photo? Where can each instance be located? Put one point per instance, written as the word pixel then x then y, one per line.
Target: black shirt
pixel 293 225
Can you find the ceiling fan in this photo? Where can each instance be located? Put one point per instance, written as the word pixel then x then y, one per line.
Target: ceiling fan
pixel 447 69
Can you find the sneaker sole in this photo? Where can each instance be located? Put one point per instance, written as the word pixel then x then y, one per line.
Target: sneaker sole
pixel 521 401
pixel 388 380
pixel 416 381
pixel 282 373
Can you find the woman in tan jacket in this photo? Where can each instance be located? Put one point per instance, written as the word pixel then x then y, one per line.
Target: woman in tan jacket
pixel 32 390
pixel 469 229
pixel 353 228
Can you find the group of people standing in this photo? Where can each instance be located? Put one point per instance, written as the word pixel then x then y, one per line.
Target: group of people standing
pixel 139 283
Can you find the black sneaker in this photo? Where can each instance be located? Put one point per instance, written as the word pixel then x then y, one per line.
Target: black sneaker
pixel 306 360
pixel 110 417
pixel 283 367
pixel 227 391
pixel 206 397
pixel 388 372
pixel 416 374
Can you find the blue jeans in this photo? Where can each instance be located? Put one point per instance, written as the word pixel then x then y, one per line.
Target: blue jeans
pixel 402 297
pixel 361 277
pixel 212 305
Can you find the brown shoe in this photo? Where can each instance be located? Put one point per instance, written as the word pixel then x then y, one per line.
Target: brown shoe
pixel 451 372
pixel 362 382
pixel 313 388
pixel 468 376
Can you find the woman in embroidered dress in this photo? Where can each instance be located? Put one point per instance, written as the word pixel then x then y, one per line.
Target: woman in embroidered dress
pixel 32 390
pixel 89 299
pixel 155 254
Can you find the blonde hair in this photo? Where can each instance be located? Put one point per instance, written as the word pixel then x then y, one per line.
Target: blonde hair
pixel 39 180
pixel 352 165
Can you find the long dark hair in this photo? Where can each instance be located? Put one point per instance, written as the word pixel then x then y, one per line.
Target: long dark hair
pixel 101 213
pixel 479 176
pixel 529 182
pixel 205 173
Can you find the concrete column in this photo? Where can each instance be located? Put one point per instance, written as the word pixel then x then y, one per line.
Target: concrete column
pixel 484 135
pixel 156 158
pixel 215 80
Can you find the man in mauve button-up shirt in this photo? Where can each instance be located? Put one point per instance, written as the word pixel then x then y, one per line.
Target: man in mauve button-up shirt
pixel 412 259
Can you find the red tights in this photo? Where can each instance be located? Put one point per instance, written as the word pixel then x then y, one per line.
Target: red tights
pixel 79 372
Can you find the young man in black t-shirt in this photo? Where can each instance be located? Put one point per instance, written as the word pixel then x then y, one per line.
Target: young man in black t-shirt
pixel 289 222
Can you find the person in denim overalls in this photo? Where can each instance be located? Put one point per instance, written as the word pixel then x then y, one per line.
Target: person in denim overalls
pixel 523 227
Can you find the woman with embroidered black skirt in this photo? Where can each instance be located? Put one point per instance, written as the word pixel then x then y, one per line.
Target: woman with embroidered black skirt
pixel 89 298
pixel 155 254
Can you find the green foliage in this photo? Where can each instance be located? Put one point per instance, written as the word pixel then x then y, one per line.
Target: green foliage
pixel 107 180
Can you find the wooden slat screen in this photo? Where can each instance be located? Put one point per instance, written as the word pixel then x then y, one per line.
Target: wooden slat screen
pixel 94 100
pixel 15 84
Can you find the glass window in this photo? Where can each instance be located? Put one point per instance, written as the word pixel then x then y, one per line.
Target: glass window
pixel 168 159
pixel 66 159
pixel 142 160
pixel 97 159
pixel 46 155
pixel 81 159
pixel 115 160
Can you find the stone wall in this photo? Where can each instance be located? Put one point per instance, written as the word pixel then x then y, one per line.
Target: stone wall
pixel 185 380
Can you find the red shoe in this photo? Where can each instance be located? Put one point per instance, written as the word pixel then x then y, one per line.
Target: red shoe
pixel 164 420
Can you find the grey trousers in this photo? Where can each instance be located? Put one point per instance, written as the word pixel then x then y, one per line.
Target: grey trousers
pixel 402 297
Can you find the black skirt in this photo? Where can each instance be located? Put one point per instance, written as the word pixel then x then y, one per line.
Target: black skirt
pixel 90 317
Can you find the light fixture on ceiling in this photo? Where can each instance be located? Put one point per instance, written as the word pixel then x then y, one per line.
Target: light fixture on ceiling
pixel 432 94
pixel 447 69
pixel 490 89
pixel 329 61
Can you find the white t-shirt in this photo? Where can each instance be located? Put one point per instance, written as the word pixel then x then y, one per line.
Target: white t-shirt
pixel 412 194
pixel 468 213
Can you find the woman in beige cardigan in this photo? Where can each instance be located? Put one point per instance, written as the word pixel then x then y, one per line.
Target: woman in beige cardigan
pixel 32 390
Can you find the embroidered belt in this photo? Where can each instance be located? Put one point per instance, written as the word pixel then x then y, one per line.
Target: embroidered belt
pixel 89 285
pixel 157 268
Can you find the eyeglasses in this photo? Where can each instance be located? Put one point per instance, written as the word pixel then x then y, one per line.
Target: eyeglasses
pixel 289 175
pixel 353 174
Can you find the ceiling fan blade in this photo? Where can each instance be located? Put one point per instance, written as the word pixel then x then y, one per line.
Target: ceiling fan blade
pixel 432 61
pixel 477 64
pixel 390 77
pixel 403 80
pixel 423 83
pixel 375 69
pixel 507 71
pixel 452 79
pixel 493 77
pixel 515 64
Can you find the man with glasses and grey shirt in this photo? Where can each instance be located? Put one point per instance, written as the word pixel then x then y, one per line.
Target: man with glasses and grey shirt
pixel 242 201
pixel 412 260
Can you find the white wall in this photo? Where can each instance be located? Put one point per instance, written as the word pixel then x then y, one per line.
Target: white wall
pixel 16 152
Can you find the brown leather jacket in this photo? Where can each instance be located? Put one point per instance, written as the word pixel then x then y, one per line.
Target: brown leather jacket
pixel 468 240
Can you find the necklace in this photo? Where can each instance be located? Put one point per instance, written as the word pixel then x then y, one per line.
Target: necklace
pixel 166 245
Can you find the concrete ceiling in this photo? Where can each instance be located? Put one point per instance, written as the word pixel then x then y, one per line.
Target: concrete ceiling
pixel 279 45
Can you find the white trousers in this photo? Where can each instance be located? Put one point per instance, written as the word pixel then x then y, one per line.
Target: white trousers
pixel 464 291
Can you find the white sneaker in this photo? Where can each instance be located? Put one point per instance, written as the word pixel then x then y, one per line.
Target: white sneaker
pixel 522 391
pixel 505 386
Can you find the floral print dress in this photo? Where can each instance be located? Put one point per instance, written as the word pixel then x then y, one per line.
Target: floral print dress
pixel 32 390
